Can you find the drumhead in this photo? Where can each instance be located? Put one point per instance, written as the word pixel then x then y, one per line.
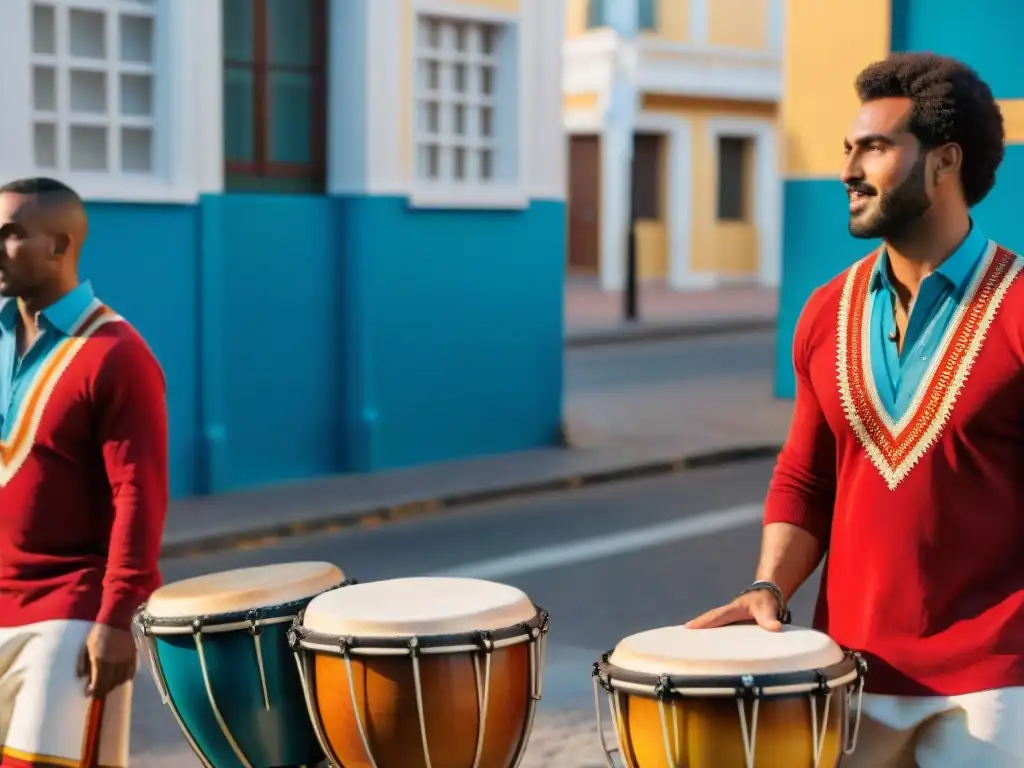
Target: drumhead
pixel 417 607
pixel 740 649
pixel 243 589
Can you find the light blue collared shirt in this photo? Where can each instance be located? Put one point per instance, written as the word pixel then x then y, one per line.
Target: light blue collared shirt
pixel 56 322
pixel 898 375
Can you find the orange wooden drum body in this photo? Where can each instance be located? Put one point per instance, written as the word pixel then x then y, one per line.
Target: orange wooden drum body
pixel 386 696
pixel 722 711
pixel 364 683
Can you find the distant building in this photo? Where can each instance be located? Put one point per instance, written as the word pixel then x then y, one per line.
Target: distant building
pixel 340 223
pixel 706 179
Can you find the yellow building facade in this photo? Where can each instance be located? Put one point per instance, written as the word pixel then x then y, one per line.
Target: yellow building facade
pixel 706 177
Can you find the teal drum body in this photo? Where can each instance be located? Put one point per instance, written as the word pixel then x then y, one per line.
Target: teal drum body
pixel 218 649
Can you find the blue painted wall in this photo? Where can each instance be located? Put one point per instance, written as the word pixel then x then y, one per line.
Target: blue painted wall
pixel 303 336
pixel 144 262
pixel 817 245
pixel 271 395
pixel 454 325
pixel 984 33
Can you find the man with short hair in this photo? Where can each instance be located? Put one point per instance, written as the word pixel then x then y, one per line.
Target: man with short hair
pixel 905 459
pixel 83 491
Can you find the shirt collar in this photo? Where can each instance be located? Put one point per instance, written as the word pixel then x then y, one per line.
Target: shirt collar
pixel 956 270
pixel 62 315
pixel 8 315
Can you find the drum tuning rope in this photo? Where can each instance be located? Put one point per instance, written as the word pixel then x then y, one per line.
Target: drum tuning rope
pixel 818 732
pixel 483 692
pixel 254 630
pixel 480 643
pixel 748 729
pixel 614 711
pixel 599 683
pixel 304 679
pixel 862 670
pixel 664 692
pixel 538 640
pixel 414 652
pixel 161 682
pixel 346 650
pixel 748 692
pixel 197 634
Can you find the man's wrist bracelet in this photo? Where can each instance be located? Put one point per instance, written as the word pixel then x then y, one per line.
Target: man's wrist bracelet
pixel 782 612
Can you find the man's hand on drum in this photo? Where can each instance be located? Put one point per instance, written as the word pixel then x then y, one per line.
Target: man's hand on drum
pixel 107 660
pixel 759 606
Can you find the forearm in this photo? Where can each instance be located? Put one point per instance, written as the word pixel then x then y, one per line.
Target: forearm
pixel 789 555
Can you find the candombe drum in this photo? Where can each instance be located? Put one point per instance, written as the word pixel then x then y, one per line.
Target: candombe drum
pixel 422 672
pixel 732 697
pixel 218 649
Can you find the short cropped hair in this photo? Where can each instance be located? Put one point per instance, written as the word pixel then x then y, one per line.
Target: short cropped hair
pixel 51 189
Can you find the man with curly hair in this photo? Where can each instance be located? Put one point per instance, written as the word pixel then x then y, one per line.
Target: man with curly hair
pixel 905 458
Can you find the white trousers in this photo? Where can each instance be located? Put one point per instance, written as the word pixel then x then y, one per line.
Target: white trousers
pixel 978 730
pixel 45 716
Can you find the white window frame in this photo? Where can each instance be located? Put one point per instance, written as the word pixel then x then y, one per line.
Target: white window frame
pixel 509 188
pixel 188 157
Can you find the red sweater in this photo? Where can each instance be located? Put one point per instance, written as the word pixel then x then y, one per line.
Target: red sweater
pixel 924 520
pixel 84 482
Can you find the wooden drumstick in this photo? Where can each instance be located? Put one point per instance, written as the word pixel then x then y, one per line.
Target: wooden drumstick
pixel 91 737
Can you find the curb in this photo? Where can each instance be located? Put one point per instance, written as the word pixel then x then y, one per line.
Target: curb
pixel 628 334
pixel 374 516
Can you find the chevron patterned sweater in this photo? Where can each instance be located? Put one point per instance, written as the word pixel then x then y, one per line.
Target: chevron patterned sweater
pixel 923 519
pixel 83 481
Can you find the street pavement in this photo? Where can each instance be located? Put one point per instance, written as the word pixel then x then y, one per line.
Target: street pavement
pixel 632 409
pixel 697 394
pixel 593 316
pixel 605 562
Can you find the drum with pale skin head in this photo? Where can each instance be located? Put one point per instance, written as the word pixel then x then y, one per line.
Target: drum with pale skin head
pixel 422 672
pixel 218 649
pixel 732 697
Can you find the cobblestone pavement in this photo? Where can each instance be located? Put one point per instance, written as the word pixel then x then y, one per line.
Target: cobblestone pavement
pixel 567 738
pixel 560 739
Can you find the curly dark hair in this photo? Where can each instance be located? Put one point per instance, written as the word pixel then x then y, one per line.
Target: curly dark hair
pixel 951 104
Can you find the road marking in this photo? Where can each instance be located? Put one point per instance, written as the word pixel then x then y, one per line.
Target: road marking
pixel 609 545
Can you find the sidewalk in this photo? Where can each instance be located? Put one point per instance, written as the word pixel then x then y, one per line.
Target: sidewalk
pixel 660 422
pixel 594 317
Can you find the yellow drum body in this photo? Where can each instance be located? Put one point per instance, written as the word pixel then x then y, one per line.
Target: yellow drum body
pixel 398 670
pixel 734 697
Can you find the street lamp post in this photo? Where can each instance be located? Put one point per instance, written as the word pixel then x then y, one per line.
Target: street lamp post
pixel 622 119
